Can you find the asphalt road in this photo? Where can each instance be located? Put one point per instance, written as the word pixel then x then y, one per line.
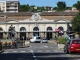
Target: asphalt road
pixel 38 51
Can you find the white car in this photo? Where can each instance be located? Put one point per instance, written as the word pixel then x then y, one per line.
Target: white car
pixel 44 40
pixel 35 39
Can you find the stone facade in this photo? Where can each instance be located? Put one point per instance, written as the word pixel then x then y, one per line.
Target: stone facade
pixel 35 24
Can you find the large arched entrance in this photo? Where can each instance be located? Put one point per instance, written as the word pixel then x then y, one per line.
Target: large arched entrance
pixel 1 34
pixel 61 31
pixel 49 33
pixel 36 31
pixel 22 33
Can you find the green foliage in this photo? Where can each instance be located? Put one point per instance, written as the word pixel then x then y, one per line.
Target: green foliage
pixel 61 40
pixel 61 6
pixel 55 8
pixel 77 5
pixel 24 8
pixel 76 23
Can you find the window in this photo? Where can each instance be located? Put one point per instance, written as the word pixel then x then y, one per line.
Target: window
pixel 76 41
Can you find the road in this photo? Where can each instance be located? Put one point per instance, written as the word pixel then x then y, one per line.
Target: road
pixel 38 51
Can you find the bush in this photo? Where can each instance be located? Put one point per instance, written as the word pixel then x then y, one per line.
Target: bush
pixel 61 40
pixel 9 44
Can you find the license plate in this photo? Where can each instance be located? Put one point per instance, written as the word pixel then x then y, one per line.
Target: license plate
pixel 77 49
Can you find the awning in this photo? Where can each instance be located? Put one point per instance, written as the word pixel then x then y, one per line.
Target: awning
pixel 57 30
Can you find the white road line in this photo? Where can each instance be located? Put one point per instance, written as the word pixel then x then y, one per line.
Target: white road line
pixel 35 59
pixel 14 51
pixel 39 50
pixel 34 56
pixel 22 51
pixel 48 51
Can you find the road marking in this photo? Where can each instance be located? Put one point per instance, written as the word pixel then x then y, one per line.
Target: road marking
pixel 39 50
pixel 34 56
pixel 14 51
pixel 22 51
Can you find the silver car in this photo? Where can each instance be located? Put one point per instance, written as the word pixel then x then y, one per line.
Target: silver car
pixel 44 40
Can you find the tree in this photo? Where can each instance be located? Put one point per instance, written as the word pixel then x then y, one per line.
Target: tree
pixel 77 5
pixel 61 6
pixel 24 8
pixel 55 8
pixel 76 23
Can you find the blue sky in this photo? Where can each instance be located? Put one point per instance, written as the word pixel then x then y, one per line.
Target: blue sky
pixel 47 2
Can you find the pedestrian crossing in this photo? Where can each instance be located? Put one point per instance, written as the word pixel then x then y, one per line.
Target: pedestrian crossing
pixel 35 51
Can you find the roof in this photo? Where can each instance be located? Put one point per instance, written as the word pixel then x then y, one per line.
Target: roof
pixel 41 13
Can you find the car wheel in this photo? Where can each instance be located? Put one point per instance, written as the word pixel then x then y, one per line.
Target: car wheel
pixel 65 50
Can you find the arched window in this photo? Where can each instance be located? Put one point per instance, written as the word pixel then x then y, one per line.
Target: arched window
pixel 61 28
pixel 36 29
pixel 49 29
pixel 22 29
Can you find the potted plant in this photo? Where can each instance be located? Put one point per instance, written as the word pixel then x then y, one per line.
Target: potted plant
pixel 61 42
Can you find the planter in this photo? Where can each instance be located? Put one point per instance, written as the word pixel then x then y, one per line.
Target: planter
pixel 60 46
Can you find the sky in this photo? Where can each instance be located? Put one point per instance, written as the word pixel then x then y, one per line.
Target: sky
pixel 52 3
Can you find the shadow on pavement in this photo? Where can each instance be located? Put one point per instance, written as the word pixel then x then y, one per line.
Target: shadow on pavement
pixel 39 56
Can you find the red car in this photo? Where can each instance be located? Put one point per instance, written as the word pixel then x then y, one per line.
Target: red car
pixel 72 45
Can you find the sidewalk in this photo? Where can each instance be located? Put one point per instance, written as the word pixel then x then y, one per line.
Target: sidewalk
pixel 52 41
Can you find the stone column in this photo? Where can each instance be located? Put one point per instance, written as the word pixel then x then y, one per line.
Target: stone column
pixel 26 34
pixel 7 37
pixel 18 35
pixel 56 34
pixel 4 36
pixel 30 35
pixel 41 34
pixel 53 35
pixel 45 34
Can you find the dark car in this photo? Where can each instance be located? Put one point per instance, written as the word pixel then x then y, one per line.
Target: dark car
pixel 72 45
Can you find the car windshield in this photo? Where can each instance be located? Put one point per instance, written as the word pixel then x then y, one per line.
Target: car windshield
pixel 76 41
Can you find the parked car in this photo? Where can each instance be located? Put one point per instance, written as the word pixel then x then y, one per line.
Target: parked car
pixel 72 45
pixel 44 40
pixel 35 39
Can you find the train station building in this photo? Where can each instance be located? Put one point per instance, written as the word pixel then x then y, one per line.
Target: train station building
pixel 27 24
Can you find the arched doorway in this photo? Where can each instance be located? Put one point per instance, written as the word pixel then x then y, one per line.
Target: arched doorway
pixel 1 34
pixel 36 31
pixel 49 33
pixel 22 33
pixel 61 31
